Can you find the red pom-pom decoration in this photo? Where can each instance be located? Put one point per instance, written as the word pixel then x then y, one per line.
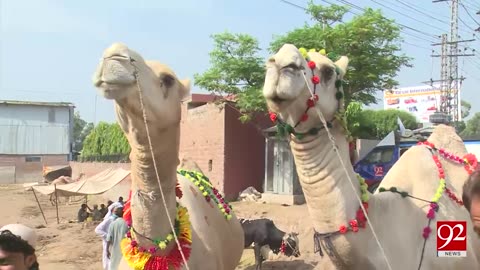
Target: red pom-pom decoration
pixel 273 117
pixel 304 117
pixel 310 103
pixel 311 64
pixel 315 79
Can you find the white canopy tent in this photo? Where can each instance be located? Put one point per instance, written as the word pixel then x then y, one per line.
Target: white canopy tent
pixel 94 185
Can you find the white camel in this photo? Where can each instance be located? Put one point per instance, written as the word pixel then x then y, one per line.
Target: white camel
pixel 217 237
pixel 330 185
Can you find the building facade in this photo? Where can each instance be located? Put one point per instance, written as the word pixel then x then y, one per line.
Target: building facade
pixel 33 135
pixel 230 153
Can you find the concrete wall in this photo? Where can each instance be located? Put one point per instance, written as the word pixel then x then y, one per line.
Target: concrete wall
pixel 25 172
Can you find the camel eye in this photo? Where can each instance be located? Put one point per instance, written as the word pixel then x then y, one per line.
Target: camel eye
pixel 292 66
pixel 167 80
pixel 327 73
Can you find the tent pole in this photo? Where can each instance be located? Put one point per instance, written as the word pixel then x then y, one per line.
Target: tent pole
pixel 56 202
pixel 39 206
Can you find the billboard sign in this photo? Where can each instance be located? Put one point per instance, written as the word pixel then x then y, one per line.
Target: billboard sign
pixel 421 101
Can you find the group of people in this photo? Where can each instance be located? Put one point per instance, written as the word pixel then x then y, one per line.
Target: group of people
pixel 112 230
pixel 96 214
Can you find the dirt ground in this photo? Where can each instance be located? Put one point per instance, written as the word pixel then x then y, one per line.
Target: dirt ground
pixel 70 246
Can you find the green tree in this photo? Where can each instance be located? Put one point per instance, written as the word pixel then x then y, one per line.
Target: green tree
pixel 472 128
pixel 465 108
pixel 236 69
pixel 371 41
pixel 105 139
pixel 81 129
pixel 376 124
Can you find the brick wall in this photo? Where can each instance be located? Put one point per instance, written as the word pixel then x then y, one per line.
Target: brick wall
pixel 202 139
pixel 29 171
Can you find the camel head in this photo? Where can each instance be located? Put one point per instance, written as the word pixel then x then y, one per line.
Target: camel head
pixel 290 74
pixel 122 72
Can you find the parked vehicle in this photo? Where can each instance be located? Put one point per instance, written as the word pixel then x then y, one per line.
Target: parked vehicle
pixel 376 164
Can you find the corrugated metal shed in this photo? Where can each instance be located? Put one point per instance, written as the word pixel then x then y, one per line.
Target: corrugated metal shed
pixel 35 128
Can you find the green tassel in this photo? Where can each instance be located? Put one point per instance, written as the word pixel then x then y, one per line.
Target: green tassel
pixel 338 83
pixel 338 95
pixel 404 194
pixel 337 70
pixel 333 56
pixel 393 189
pixel 382 189
pixel 289 129
pixel 313 131
pixel 299 136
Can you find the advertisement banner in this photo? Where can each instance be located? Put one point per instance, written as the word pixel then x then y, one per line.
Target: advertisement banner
pixel 421 101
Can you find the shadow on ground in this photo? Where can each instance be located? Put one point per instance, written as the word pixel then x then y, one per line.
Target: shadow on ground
pixel 280 265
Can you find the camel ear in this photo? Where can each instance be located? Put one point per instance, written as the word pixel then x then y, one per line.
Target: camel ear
pixel 342 63
pixel 184 89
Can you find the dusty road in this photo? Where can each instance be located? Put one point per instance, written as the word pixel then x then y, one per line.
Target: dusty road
pixel 73 246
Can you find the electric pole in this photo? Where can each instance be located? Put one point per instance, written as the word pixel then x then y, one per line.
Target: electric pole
pixel 450 98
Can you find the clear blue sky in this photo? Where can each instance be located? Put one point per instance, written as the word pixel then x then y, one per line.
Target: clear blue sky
pixel 49 49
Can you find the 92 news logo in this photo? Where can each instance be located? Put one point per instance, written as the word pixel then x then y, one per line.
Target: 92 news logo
pixel 451 239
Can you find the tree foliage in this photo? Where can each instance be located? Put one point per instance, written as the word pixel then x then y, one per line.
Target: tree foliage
pixel 236 69
pixel 472 128
pixel 106 139
pixel 80 131
pixel 375 124
pixel 371 42
pixel 465 108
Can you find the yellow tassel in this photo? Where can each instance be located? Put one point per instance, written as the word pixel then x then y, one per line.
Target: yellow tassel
pixel 135 259
pixel 303 52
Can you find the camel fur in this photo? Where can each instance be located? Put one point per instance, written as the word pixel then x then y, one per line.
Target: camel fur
pixel 398 222
pixel 217 244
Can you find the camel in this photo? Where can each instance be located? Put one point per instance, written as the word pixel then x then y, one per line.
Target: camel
pixel 63 180
pixel 304 95
pixel 216 237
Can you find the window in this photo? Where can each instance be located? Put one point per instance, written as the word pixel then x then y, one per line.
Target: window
pixel 210 165
pixel 379 155
pixel 33 159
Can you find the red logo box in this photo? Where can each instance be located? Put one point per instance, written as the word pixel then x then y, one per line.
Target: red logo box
pixel 451 238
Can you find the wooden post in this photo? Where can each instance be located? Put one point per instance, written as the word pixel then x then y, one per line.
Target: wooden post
pixel 56 202
pixel 39 206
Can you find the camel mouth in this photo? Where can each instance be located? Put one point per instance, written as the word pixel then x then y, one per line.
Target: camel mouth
pixel 278 99
pixel 112 90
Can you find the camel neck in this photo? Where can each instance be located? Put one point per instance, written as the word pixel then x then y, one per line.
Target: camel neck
pixel 329 195
pixel 148 210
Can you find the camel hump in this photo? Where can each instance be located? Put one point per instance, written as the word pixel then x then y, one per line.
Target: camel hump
pixel 189 165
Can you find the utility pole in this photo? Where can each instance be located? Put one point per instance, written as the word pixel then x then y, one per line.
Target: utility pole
pixel 444 75
pixel 450 82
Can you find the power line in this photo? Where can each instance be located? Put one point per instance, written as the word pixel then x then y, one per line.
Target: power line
pixel 403 14
pixel 468 13
pixel 408 5
pixel 402 25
